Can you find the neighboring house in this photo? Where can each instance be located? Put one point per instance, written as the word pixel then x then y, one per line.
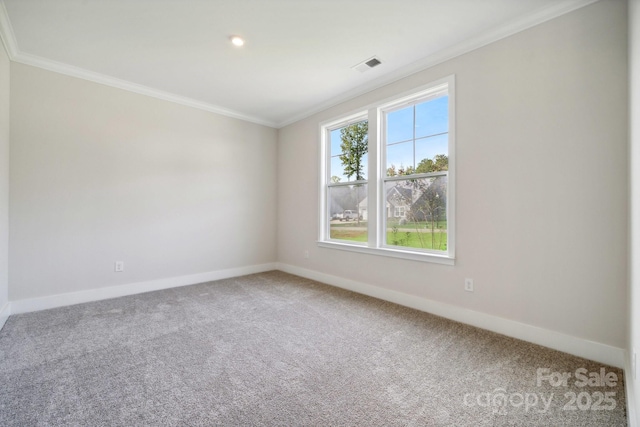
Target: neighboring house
pixel 399 201
pixel 363 209
pixel 418 204
pixel 432 201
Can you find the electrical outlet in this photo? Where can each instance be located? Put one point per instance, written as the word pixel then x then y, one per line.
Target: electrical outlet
pixel 119 266
pixel 306 254
pixel 468 285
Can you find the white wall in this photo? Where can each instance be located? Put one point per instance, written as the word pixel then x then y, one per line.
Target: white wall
pixel 4 182
pixel 541 185
pixel 99 174
pixel 634 317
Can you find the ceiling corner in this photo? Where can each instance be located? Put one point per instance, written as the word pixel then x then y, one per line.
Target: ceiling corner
pixel 6 33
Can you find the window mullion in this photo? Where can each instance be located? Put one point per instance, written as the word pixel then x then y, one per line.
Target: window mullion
pixel 374 161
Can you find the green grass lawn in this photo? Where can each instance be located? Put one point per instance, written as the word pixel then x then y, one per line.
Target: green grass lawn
pixel 410 239
pixel 414 239
pixel 354 235
pixel 442 225
pixel 439 225
pixel 351 223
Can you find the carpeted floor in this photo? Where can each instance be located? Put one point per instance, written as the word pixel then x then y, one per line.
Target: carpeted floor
pixel 276 349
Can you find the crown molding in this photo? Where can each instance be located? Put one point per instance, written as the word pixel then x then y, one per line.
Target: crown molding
pixel 9 41
pixel 69 70
pixel 6 32
pixel 466 46
pixel 558 9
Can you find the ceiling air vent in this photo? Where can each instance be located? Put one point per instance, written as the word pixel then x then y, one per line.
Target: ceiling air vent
pixel 367 65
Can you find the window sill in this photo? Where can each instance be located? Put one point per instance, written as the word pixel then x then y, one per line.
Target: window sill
pixel 389 252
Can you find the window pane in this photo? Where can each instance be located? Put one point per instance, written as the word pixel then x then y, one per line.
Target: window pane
pixel 432 117
pixel 399 157
pixel 349 147
pixel 432 154
pixel 337 171
pixel 417 213
pixel 400 125
pixel 335 142
pixel 348 212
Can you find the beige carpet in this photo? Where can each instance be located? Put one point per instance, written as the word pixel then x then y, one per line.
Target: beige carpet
pixel 275 349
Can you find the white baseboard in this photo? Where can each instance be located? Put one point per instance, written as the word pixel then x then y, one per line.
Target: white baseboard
pixel 632 411
pixel 577 346
pixel 61 300
pixel 591 350
pixel 5 312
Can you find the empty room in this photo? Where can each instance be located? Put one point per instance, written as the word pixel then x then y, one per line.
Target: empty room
pixel 319 213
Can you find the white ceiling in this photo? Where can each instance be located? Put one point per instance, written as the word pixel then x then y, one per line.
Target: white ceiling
pixel 298 54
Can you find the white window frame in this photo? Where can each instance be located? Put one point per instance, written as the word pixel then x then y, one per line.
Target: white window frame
pixel 376 204
pixel 325 179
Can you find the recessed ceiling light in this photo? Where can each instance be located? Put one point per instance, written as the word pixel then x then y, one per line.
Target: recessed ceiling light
pixel 237 40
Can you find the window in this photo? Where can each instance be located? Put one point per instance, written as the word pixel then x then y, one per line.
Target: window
pixel 395 197
pixel 415 146
pixel 347 186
